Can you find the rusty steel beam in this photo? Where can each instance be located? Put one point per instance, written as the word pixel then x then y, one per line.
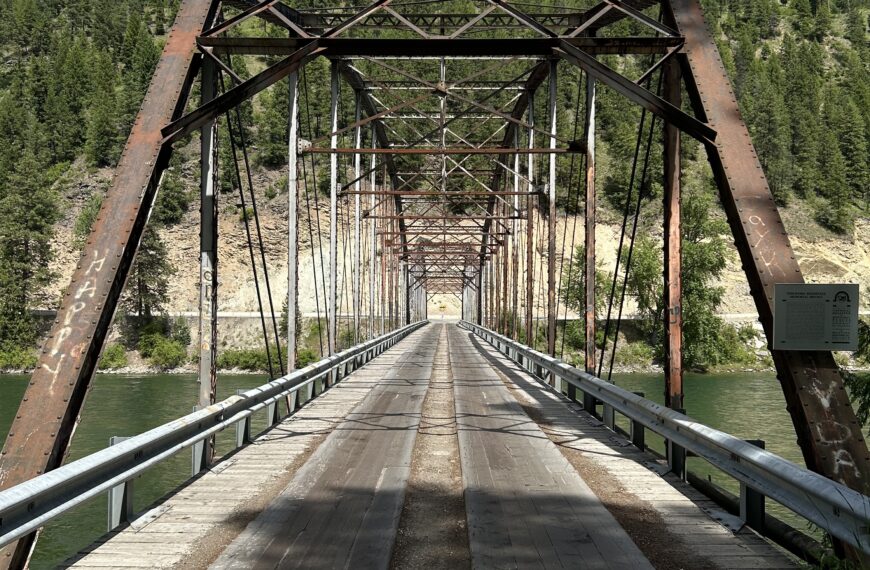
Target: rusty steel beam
pixel 589 267
pixel 463 47
pixel 39 437
pixel 828 432
pixel 433 193
pixel 435 151
pixel 230 99
pixel 637 94
pixel 551 214
pixel 673 286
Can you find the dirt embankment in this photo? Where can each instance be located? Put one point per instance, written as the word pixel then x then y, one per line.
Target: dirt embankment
pixel 823 256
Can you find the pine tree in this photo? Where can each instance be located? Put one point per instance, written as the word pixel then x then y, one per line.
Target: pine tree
pixel 147 288
pixel 766 115
pixel 802 93
pixel 272 127
pixel 28 211
pixel 836 211
pixel 102 144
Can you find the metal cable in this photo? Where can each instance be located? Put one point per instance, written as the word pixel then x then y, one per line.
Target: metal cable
pixel 248 231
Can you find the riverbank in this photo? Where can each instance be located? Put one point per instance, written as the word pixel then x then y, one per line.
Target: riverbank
pixel 143 369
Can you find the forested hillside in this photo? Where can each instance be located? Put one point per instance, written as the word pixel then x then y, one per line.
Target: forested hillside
pixel 74 72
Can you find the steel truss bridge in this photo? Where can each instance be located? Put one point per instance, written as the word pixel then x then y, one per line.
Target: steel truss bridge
pixel 449 171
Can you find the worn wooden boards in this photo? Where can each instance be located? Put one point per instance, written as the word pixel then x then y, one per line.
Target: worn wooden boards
pixel 342 508
pixel 525 503
pixel 191 526
pixel 688 516
pixel 527 506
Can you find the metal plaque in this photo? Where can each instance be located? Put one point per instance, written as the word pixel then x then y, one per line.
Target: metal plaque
pixel 815 317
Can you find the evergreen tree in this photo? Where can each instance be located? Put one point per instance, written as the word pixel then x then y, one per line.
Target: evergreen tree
pixel 28 211
pixel 272 127
pixel 836 211
pixel 148 283
pixel 766 115
pixel 102 140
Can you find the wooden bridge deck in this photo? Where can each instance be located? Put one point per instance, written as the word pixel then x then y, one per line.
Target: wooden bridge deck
pixel 543 484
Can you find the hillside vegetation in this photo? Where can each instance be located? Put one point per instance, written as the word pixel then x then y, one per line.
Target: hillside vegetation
pixel 74 73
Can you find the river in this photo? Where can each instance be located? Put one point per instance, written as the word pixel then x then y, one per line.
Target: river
pixel 750 406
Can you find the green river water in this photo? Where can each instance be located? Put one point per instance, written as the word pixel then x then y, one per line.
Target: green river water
pixel 749 406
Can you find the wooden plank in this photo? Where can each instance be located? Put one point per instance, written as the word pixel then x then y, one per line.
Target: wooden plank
pixel 526 506
pixel 209 506
pixel 680 506
pixel 342 507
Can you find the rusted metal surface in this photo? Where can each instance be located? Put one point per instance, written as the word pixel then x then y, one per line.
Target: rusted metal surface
pixel 673 248
pixel 460 47
pixel 551 214
pixel 828 432
pixel 589 313
pixel 41 431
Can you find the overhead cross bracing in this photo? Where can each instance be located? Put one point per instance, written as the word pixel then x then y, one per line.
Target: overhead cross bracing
pixel 450 140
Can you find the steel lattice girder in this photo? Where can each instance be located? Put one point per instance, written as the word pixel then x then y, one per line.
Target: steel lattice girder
pixel 39 437
pixel 821 412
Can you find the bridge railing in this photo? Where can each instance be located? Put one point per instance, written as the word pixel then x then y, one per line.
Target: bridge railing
pixel 838 510
pixel 28 506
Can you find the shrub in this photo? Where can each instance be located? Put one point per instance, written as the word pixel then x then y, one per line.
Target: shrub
pixel 250 359
pixel 181 332
pixel 244 359
pixel 246 212
pixel 114 357
pixel 635 354
pixel 168 353
pixel 86 218
pixel 346 338
pixel 304 357
pixel 575 335
pixel 15 358
pixel 148 342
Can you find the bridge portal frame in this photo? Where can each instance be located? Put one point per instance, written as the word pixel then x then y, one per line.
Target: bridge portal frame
pixel 828 433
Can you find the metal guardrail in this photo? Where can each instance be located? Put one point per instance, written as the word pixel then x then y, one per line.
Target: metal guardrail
pixel 840 511
pixel 26 507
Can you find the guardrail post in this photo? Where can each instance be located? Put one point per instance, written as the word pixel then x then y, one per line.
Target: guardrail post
pixel 271 414
pixel 677 456
pixel 120 497
pixel 608 417
pixel 751 501
pixel 198 455
pixel 589 403
pixel 637 431
pixel 243 429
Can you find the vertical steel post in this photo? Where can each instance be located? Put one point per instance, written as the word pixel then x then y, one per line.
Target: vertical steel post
pixel 514 244
pixel 208 254
pixel 443 123
pixel 332 305
pixel 292 221
pixel 589 316
pixel 751 501
pixel 551 222
pixel 504 252
pixel 357 227
pixel 120 501
pixel 480 303
pixel 673 248
pixel 373 276
pixel 530 227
